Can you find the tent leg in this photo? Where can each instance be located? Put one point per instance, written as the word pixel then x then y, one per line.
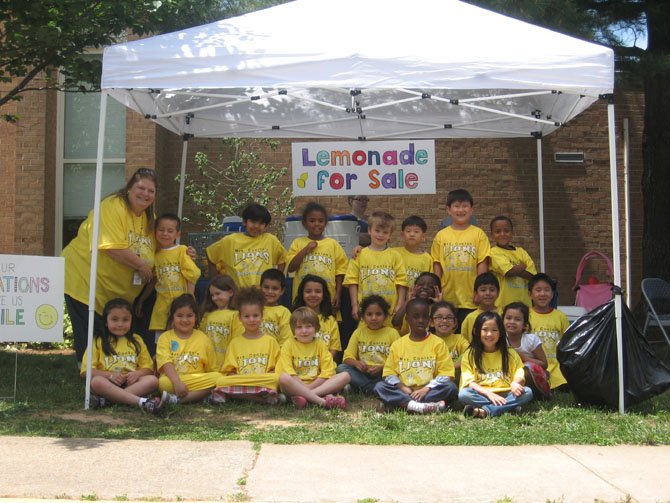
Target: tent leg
pixel 616 254
pixel 94 243
pixel 626 191
pixel 540 199
pixel 182 178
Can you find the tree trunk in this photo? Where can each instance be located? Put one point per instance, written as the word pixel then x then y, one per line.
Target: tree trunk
pixel 656 151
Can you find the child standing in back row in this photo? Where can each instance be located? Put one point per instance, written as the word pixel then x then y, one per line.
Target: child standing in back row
pixel 549 324
pixel 276 317
pixel 414 257
pixel 511 264
pixel 317 254
pixel 486 298
pixel 377 270
pixel 460 252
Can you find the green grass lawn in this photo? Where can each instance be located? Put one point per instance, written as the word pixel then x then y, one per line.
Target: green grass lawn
pixel 50 401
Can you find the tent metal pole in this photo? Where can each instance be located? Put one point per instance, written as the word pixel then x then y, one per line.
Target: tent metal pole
pixel 182 178
pixel 626 191
pixel 540 199
pixel 94 244
pixel 616 244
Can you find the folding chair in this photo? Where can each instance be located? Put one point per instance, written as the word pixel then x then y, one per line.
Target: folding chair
pixel 656 293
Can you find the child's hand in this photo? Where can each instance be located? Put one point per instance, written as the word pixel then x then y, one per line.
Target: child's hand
pixel 139 312
pixel 361 366
pixel 190 251
pixel 495 398
pixel 412 293
pixel 517 389
pixel 419 394
pixel 375 370
pixel 354 312
pixel 311 245
pixel 180 389
pixel 357 249
pixel 437 294
pixel 132 377
pixel 405 389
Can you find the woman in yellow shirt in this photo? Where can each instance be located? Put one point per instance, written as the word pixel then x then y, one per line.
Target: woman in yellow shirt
pixel 492 376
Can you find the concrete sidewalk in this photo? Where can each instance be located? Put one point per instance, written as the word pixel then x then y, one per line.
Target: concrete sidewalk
pixel 234 471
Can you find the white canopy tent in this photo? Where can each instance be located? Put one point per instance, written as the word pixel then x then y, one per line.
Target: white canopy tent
pixel 367 70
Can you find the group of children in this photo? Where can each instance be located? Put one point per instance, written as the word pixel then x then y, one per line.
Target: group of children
pixel 460 314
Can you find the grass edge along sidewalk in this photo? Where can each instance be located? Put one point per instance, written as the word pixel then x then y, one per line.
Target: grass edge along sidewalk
pixel 50 403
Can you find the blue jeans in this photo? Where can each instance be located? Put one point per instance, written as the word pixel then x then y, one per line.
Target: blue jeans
pixel 392 396
pixel 469 396
pixel 360 381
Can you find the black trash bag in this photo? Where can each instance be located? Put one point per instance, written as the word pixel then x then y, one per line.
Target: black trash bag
pixel 587 353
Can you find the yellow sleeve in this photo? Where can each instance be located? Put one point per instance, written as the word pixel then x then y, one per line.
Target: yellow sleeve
pixel 444 363
pixel 297 245
pixel 483 246
pixel 352 347
pixel 113 224
pixel 216 252
pixel 341 260
pixel 352 277
pixel 400 271
pixel 230 360
pixel 564 322
pixel 285 361
pixel 278 251
pixel 500 263
pixel 468 373
pixel 436 248
pixel 96 362
pixel 144 360
pixel 189 270
pixel 391 363
pixel 327 369
pixel 285 332
pixel 273 354
pixel 163 350
pixel 526 259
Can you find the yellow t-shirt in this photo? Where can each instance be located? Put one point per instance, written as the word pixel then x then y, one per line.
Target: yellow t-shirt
pixel 125 360
pixel 416 363
pixel 120 229
pixel 377 273
pixel 221 326
pixel 245 258
pixel 371 346
pixel 276 322
pixel 307 361
pixel 251 356
pixel 415 263
pixel 457 345
pixel 469 323
pixel 327 261
pixel 512 288
pixel 550 328
pixel 189 356
pixel 174 269
pixel 329 333
pixel 459 252
pixel 493 377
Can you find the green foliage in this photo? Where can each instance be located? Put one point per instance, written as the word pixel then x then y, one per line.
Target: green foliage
pixel 238 177
pixel 51 34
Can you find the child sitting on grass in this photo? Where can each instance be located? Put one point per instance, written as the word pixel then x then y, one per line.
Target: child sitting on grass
pixel 492 379
pixel 418 372
pixel 443 323
pixel 306 369
pixel 122 370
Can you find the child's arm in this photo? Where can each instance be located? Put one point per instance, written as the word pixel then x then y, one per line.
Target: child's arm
pixel 437 269
pixel 212 270
pixel 483 266
pixel 494 398
pixel 353 295
pixel 134 376
pixel 294 264
pixel 144 295
pixel 338 291
pixel 180 389
pixel 357 364
pixel 401 292
pixel 399 315
pixel 190 288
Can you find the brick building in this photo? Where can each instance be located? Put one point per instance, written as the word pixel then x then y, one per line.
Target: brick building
pixel 47 178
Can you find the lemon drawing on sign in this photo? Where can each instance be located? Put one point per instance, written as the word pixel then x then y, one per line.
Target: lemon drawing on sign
pixel 46 316
pixel 302 181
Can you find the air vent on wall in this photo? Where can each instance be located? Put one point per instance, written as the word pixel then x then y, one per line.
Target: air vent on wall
pixel 574 157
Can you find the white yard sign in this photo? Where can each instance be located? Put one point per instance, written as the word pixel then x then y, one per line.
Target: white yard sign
pixel 31 298
pixel 364 167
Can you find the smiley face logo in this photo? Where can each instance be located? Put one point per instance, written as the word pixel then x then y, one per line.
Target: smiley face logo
pixel 302 181
pixel 46 316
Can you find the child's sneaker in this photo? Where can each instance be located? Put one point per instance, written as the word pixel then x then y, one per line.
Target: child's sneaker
pixel 537 381
pixel 335 402
pixel 299 402
pixel 152 405
pixel 215 398
pixel 347 389
pixel 169 398
pixel 281 398
pixel 96 402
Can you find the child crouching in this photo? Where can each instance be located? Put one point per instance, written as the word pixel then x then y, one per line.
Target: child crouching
pixel 306 369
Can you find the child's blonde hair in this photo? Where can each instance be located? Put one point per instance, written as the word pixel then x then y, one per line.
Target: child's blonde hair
pixel 304 316
pixel 381 219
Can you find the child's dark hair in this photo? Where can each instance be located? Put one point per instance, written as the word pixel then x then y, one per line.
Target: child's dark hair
pixel 105 335
pixel 502 218
pixel 487 278
pixel 184 300
pixel 415 302
pixel 221 282
pixel 326 306
pixel 274 275
pixel 541 277
pixel 459 196
pixel 371 300
pixel 312 207
pixel 477 346
pixel 442 304
pixel 252 296
pixel 414 220
pixel 168 216
pixel 256 213
pixel 430 275
pixel 525 312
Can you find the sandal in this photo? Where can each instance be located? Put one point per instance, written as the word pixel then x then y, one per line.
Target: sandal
pixel 479 413
pixel 468 410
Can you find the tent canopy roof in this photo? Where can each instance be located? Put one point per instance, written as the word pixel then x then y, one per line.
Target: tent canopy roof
pixel 360 69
